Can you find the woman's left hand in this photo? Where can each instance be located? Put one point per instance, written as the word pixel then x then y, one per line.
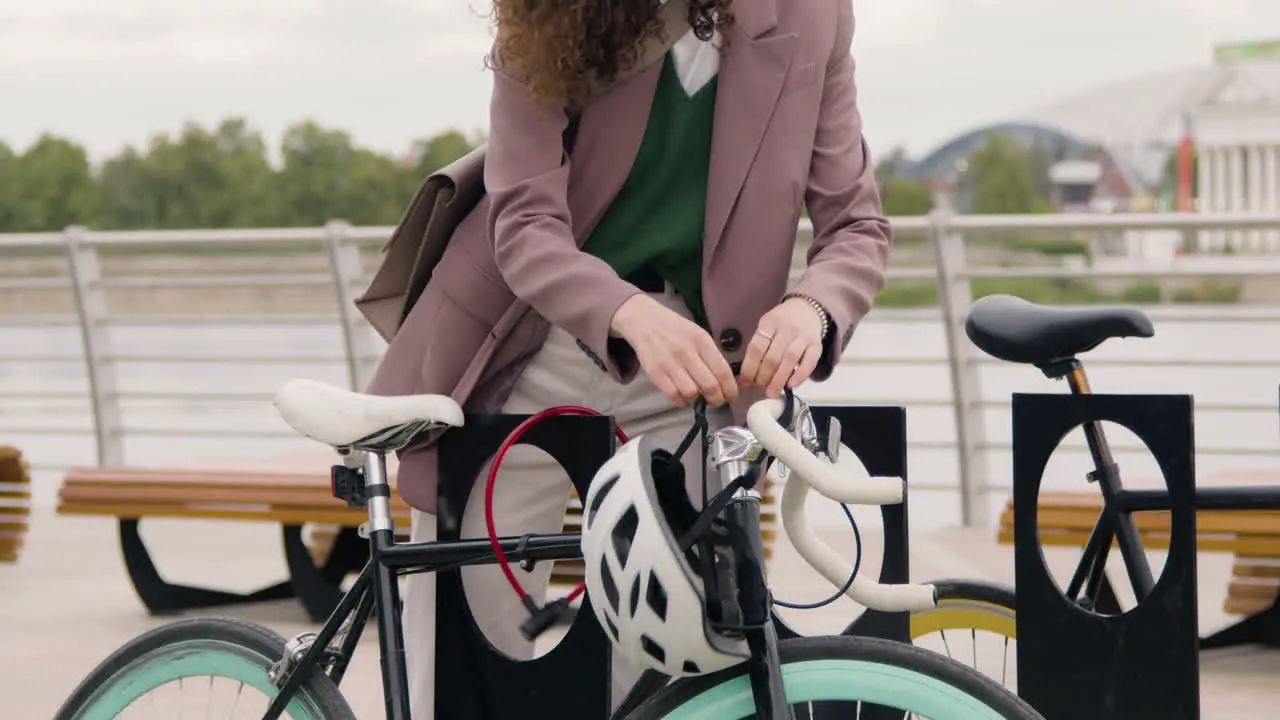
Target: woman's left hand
pixel 785 348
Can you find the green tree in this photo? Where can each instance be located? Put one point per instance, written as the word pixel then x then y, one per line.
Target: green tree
pixel 313 182
pixel 127 189
pixel 249 198
pixel 377 189
pixel 200 179
pixel 906 198
pixel 1001 178
pixel 440 150
pixel 219 177
pixel 54 186
pixel 8 189
pixel 890 168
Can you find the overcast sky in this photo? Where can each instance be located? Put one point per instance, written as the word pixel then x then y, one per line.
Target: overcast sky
pixel 392 70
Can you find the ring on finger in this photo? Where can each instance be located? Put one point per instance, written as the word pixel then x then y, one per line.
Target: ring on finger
pixel 764 335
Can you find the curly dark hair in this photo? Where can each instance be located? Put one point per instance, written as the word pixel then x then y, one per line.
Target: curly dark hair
pixel 559 48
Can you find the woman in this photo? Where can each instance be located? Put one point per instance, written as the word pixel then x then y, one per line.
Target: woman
pixel 628 272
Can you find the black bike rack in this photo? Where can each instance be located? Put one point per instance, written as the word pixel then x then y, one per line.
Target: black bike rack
pixel 878 436
pixel 1074 664
pixel 474 681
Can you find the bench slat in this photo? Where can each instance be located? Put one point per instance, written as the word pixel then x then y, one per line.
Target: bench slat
pixel 1244 522
pixel 1265 547
pixel 151 474
pixel 1256 568
pixel 345 518
pixel 15 503
pixel 1249 589
pixel 1245 606
pixel 320 497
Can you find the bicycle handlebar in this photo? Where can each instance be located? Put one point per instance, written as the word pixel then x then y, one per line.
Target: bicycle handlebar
pixel 832 480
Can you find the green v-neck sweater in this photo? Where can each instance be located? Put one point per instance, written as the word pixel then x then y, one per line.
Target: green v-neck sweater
pixel 658 216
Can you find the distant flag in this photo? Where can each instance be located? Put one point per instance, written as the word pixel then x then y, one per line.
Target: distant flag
pixel 1186 156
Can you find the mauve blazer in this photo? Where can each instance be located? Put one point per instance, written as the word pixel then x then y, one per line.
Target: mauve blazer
pixel 787 132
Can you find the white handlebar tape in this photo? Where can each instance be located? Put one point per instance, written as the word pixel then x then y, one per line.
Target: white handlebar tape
pixel 762 421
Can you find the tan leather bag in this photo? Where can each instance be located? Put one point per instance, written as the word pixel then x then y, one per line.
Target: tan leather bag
pixel 444 199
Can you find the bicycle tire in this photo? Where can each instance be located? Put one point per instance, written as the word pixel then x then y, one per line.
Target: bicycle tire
pixel 847 669
pixel 203 647
pixel 969 605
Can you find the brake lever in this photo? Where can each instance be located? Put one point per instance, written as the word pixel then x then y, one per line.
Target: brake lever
pixel 804 428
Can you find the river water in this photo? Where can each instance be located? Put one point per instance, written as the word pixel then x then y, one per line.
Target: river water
pixel 54 433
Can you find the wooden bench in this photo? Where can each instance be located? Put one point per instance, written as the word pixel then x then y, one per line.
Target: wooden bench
pixel 1253 536
pixel 292 499
pixel 319 532
pixel 15 503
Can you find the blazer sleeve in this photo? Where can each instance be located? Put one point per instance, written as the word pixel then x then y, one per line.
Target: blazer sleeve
pixel 851 236
pixel 526 177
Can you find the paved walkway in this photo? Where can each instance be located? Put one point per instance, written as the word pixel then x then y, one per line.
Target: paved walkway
pixel 68 604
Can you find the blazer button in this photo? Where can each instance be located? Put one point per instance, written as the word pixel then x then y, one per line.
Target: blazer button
pixel 730 340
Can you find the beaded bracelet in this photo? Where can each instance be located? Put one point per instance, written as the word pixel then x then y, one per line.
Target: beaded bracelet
pixel 822 312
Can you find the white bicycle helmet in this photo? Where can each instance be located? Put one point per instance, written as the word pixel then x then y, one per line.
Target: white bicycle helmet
pixel 642 587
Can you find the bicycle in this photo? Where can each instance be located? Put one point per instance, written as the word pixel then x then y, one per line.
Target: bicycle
pixel 301 676
pixel 1050 339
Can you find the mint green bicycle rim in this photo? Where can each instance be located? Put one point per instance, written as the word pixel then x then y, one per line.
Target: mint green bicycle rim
pixel 191 658
pixel 842 680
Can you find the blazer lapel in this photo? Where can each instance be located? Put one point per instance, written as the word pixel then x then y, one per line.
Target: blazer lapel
pixel 612 127
pixel 750 81
pixel 609 135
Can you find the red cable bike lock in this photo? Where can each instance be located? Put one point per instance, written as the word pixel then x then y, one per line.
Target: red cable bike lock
pixel 491 482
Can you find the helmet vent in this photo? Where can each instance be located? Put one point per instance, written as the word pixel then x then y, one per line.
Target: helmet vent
pixel 635 594
pixel 610 587
pixel 691 667
pixel 655 596
pixel 624 533
pixel 606 485
pixel 653 649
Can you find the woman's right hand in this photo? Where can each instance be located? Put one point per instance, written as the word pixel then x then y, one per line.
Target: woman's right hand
pixel 677 355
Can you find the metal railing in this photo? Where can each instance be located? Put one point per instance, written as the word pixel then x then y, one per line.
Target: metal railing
pixel 348 253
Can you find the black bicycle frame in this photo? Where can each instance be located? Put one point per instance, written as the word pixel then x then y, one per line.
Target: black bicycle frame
pixel 1115 522
pixel 377 585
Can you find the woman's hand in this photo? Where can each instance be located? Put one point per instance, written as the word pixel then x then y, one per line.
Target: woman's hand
pixel 677 355
pixel 785 348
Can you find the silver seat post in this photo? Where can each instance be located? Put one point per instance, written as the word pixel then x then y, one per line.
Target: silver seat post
pixel 377 491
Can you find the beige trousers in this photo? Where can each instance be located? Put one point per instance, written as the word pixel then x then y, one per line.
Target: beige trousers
pixel 531 496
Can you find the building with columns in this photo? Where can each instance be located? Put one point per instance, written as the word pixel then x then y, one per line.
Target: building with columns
pixel 1230 107
pixel 1237 135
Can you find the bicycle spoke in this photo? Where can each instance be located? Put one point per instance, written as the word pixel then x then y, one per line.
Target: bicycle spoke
pixel 1004 667
pixel 973 634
